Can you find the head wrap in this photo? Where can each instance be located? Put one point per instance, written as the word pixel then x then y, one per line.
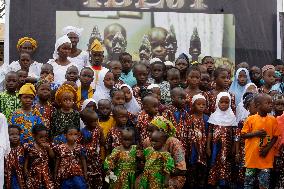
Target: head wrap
pixel 153 60
pixel 21 41
pixel 183 56
pixel 153 86
pixel 198 96
pixel 72 29
pixel 169 63
pixel 60 41
pixel 133 106
pixel 267 67
pixel 65 88
pixel 96 46
pixel 84 105
pixel 223 118
pixel 101 91
pixel 27 89
pixel 165 125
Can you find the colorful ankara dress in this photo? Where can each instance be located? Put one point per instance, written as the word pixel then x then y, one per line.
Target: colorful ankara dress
pixel 9 103
pixel 113 138
pixel 241 152
pixel 156 166
pixel 123 164
pixel 25 121
pixel 143 121
pixel 212 101
pixel 118 83
pixel 45 112
pixel 39 174
pixel 90 140
pixel 138 91
pixel 165 90
pixel 14 168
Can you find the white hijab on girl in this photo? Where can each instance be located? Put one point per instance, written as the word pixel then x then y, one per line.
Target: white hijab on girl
pixel 101 91
pixel 133 106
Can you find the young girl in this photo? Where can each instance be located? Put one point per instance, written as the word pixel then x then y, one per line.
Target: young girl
pixel 70 166
pixel 268 74
pixel 14 161
pixel 131 103
pixel 65 116
pixel 158 163
pixel 220 135
pixel 72 74
pixel 26 117
pixel 278 105
pixel 238 86
pixel 154 90
pixel 116 68
pixel 117 97
pixel 88 104
pixel 37 158
pixel 106 83
pixel 173 77
pixel 182 63
pixel 198 139
pixel 92 140
pixel 122 161
pixel 23 75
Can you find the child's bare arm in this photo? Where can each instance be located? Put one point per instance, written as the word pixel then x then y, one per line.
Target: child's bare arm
pixel 26 166
pixel 84 166
pixel 264 151
pixel 259 133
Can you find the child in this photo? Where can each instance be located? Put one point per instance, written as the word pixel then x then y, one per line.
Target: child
pixel 182 63
pixel 26 117
pixel 268 73
pixel 127 75
pixel 37 158
pixel 208 62
pixel 197 141
pixel 131 103
pixel 106 121
pixel 204 82
pixel 72 74
pixel 122 161
pixel 88 104
pixel 106 83
pixel 46 73
pixel 159 163
pixel 260 139
pixel 255 75
pixel 116 68
pixel 154 90
pixel 117 97
pixel 279 66
pixel 173 77
pixel 65 116
pixel 44 106
pixel 278 105
pixel 85 91
pixel 140 72
pixel 14 161
pixel 70 166
pixel 22 75
pixel 149 111
pixel 9 100
pixel 92 140
pixel 220 135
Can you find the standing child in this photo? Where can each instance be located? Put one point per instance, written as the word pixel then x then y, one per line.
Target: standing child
pixel 173 77
pixel 131 103
pixel 268 74
pixel 209 63
pixel 255 75
pixel 14 161
pixel 72 74
pixel 37 158
pixel 122 161
pixel 260 132
pixel 65 116
pixel 182 63
pixel 92 141
pixel 204 82
pixel 278 105
pixel 9 100
pixel 154 90
pixel 106 83
pixel 26 117
pixel 220 135
pixel 127 75
pixel 116 68
pixel 70 166
pixel 117 97
pixel 22 75
pixel 46 73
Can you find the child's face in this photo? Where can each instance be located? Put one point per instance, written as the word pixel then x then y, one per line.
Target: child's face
pixel 127 93
pixel 67 100
pixel 278 105
pixel 97 58
pixel 127 139
pixel 27 47
pixel 152 107
pixel 209 64
pixel 179 98
pixel 141 75
pixel 252 89
pixel 252 108
pixel 45 71
pixel 255 73
pixel 86 77
pixel 193 78
pixel 27 100
pixel 157 92
pixel 280 68
pixel 118 98
pixel 182 65
pixel 157 71
pixel 11 82
pixel 93 121
pixel 25 61
pixel 121 117
pixel 223 79
pixel 126 64
pixel 109 80
pixel 40 137
pixel 116 68
pixel 158 140
pixel 265 105
pixel 14 136
pixel 72 136
pixel 22 77
pixel 64 50
pixel 44 91
pixel 224 103
pixel 200 105
pixel 242 78
pixel 269 77
pixel 204 82
pixel 72 74
pixel 104 108
pixel 92 105
pixel 173 79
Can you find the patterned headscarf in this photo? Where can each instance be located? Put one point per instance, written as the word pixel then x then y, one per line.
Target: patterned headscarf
pixel 96 46
pixel 22 40
pixel 65 88
pixel 27 89
pixel 165 125
pixel 267 67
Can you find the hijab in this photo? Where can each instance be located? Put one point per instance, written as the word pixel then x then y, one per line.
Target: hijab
pixel 68 29
pixel 223 118
pixel 60 41
pixel 236 88
pixel 84 105
pixel 133 106
pixel 101 91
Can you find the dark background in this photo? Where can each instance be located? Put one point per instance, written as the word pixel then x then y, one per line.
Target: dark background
pixel 255 20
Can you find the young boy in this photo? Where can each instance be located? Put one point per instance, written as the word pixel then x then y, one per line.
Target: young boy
pixel 9 100
pixel 116 68
pixel 173 77
pixel 46 73
pixel 261 133
pixel 85 91
pixel 22 75
pixel 72 74
pixel 127 75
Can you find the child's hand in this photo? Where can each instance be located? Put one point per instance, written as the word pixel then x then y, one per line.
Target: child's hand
pixel 260 133
pixel 264 151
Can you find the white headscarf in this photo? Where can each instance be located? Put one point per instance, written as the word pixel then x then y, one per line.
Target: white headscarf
pixel 101 91
pixel 155 60
pixel 4 146
pixel 84 105
pixel 223 118
pixel 68 29
pixel 60 41
pixel 133 106
pixel 152 86
pixel 198 96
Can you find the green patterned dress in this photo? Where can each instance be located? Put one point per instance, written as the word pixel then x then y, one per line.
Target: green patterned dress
pixel 123 164
pixel 157 165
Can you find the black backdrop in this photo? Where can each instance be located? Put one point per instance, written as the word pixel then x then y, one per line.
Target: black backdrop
pixel 255 25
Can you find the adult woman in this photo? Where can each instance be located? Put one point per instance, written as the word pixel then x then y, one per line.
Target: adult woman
pixel 60 60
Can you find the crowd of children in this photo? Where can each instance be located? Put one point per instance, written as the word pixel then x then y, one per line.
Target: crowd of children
pixel 140 125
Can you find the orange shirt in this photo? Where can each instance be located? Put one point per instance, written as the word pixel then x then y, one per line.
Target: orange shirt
pixel 253 145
